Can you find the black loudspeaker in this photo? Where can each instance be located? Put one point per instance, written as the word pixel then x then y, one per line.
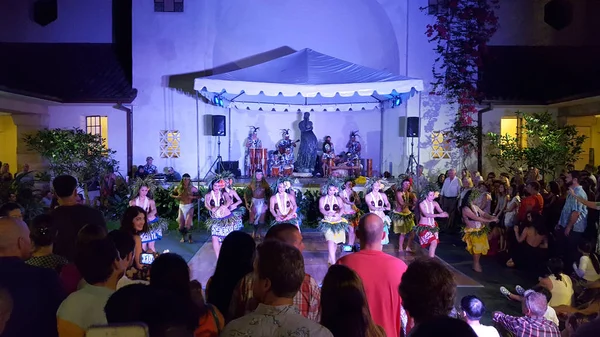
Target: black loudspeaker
pixel 45 12
pixel 412 127
pixel 558 14
pixel 218 125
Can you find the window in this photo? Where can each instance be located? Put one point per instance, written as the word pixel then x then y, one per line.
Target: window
pixel 168 6
pixel 170 141
pixel 513 126
pixel 437 7
pixel 440 147
pixel 98 125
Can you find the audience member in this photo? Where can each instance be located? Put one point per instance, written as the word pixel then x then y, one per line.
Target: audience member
pixel 380 273
pixel 101 267
pixel 344 307
pixel 533 202
pixel 11 209
pixel 125 245
pixel 170 272
pixel 427 290
pixel 533 323
pixel 6 306
pixel 307 300
pixel 278 276
pixel 42 236
pixel 135 222
pixel 36 292
pixel 572 222
pixel 69 217
pixel 472 311
pixel 588 268
pixel 235 260
pixel 443 326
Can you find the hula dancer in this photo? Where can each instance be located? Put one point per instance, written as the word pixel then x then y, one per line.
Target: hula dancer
pixel 475 230
pixel 256 196
pixel 403 218
pixel 186 193
pixel 378 203
pixel 333 225
pixel 352 213
pixel 428 230
pixel 141 189
pixel 222 221
pixel 236 201
pixel 283 204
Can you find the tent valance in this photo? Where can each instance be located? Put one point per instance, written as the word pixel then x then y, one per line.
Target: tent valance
pixel 307 80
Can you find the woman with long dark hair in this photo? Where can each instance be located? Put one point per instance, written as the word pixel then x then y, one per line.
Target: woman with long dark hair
pixel 235 260
pixel 589 265
pixel 344 308
pixel 135 222
pixel 42 236
pixel 170 272
pixel 532 248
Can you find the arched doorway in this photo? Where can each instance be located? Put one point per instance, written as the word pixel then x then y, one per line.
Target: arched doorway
pixel 8 139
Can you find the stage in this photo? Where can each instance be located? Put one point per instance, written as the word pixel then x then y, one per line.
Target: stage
pixel 202 264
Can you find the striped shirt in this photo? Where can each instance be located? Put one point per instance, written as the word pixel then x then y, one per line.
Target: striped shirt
pixel 307 300
pixel 527 326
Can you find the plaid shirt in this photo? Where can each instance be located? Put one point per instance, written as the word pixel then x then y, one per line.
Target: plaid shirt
pixel 307 300
pixel 528 326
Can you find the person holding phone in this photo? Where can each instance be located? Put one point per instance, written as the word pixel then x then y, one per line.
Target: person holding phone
pixel 135 222
pixel 142 190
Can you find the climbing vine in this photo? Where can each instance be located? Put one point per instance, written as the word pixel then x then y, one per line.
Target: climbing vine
pixel 460 34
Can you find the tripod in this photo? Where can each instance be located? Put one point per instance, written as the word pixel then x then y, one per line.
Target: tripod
pixel 218 163
pixel 412 162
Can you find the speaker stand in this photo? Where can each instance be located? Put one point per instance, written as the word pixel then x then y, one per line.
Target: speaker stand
pixel 217 165
pixel 412 162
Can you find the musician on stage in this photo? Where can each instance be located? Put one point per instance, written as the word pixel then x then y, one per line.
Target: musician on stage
pixel 256 196
pixel 353 147
pixel 328 156
pixel 252 142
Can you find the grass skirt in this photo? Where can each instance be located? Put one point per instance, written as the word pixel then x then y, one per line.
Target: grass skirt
pixel 293 221
pixel 334 231
pixel 221 227
pixel 402 223
pixel 476 240
pixel 354 218
pixel 156 226
pixel 240 211
pixel 427 234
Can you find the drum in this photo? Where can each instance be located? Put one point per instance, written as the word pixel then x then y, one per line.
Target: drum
pixel 275 171
pixel 252 156
pixel 331 163
pixel 264 155
pixel 288 170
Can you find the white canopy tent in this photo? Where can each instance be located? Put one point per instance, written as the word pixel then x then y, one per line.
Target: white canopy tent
pixel 308 81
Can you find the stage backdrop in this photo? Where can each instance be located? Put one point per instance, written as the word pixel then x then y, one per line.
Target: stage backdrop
pixel 337 124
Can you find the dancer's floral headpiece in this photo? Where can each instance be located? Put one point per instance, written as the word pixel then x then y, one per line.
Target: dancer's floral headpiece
pixel 139 182
pixel 429 187
pixel 331 182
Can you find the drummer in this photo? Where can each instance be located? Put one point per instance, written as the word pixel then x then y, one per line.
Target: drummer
pixel 328 156
pixel 252 142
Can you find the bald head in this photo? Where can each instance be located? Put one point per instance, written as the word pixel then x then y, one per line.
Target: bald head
pixel 286 233
pixel 14 238
pixel 370 229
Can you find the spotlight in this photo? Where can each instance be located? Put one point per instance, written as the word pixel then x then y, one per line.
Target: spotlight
pixel 397 101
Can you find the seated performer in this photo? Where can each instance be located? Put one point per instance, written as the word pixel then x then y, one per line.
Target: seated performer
pixel 257 193
pixel 403 218
pixel 475 233
pixel 328 156
pixel 283 204
pixel 140 191
pixel 352 213
pixel 333 224
pixel 427 229
pixel 236 201
pixel 186 193
pixel 222 221
pixel 378 203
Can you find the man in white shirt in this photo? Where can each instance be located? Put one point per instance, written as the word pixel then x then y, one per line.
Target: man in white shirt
pixel 278 275
pixel 473 309
pixel 449 195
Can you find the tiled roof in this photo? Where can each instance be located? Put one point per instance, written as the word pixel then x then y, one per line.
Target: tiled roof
pixel 65 72
pixel 540 75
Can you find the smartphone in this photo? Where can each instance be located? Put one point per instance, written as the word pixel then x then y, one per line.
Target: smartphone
pixel 118 330
pixel 147 258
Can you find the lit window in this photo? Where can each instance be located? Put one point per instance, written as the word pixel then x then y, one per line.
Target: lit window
pixel 98 125
pixel 440 147
pixel 170 141
pixel 168 5
pixel 436 7
pixel 513 127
